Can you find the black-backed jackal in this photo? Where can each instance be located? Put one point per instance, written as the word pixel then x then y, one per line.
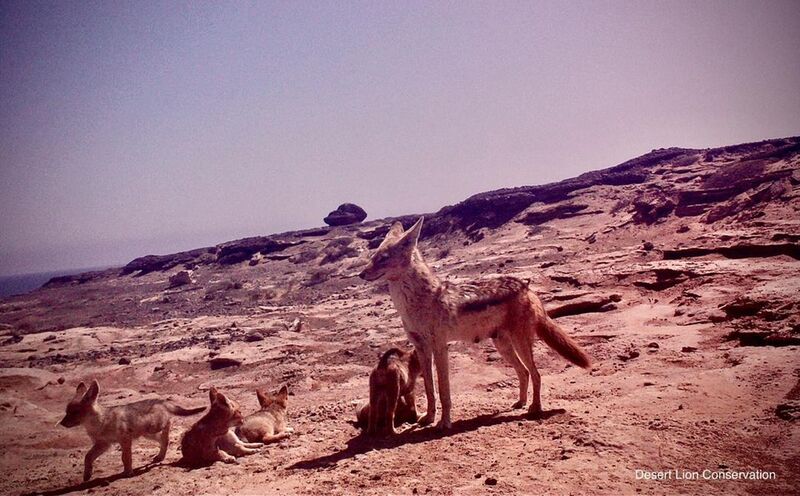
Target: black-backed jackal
pixel 435 312
pixel 120 424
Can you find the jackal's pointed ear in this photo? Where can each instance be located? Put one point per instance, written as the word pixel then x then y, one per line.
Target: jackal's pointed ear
pixel 410 237
pixel 394 234
pixel 283 394
pixel 213 394
pixel 80 390
pixel 263 399
pixel 91 394
pixel 395 231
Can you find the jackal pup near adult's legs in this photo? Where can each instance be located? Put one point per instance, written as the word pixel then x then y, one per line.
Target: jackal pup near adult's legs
pixel 212 438
pixel 435 312
pixel 391 392
pixel 120 424
pixel 267 425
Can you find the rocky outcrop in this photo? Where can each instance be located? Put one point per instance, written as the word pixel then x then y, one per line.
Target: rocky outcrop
pixel 346 214
pixel 563 211
pixel 742 250
pixel 74 279
pixel 338 249
pixel 243 249
pixel 152 263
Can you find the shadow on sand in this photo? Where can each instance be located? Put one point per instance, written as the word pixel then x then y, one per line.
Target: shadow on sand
pixel 98 482
pixel 363 443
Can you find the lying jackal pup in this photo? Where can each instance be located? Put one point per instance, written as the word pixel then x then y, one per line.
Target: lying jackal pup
pixel 391 382
pixel 268 425
pixel 212 438
pixel 120 424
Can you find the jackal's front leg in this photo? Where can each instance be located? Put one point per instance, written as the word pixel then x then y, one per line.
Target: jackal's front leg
pixel 443 374
pixel 98 449
pixel 426 361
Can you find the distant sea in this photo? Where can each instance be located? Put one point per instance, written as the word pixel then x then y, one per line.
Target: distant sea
pixel 24 283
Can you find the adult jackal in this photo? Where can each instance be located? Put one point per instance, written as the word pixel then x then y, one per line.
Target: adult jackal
pixel 436 312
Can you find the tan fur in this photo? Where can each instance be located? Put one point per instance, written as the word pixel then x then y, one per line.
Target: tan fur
pixel 212 438
pixel 391 392
pixel 435 313
pixel 120 424
pixel 267 425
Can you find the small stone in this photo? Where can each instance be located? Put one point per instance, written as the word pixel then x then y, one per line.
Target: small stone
pixel 124 361
pixel 490 481
pixel 253 337
pixel 688 349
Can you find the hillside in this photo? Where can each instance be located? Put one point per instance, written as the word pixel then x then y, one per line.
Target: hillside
pixel 677 271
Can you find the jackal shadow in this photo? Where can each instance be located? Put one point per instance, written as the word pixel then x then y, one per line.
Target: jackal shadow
pixel 363 443
pixel 97 482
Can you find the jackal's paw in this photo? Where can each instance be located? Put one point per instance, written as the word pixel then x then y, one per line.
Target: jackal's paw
pixel 444 425
pixel 518 404
pixel 229 459
pixel 427 419
pixel 534 413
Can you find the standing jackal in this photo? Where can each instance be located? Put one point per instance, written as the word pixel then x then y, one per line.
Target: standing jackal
pixel 436 312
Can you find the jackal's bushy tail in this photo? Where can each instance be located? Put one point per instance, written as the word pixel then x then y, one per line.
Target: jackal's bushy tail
pixel 556 338
pixel 183 412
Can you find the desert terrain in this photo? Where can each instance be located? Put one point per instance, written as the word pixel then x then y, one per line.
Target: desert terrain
pixel 678 272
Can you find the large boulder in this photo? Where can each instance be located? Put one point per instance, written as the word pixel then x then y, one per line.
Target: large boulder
pixel 346 213
pixel 180 278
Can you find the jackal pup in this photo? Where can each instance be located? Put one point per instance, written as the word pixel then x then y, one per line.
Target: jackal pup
pixel 267 425
pixel 391 391
pixel 120 424
pixel 435 312
pixel 212 438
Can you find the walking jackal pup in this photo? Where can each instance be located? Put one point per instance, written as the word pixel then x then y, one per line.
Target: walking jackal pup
pixel 391 392
pixel 435 312
pixel 120 424
pixel 212 438
pixel 267 425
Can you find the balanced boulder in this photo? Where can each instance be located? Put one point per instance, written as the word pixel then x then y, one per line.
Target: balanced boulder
pixel 346 213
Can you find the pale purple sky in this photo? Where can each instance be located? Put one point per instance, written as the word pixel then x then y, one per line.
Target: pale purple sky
pixel 131 128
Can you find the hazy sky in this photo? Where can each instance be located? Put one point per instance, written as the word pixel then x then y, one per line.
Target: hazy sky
pixel 131 128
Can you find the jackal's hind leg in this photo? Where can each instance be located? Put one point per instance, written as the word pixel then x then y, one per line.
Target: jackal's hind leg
pixel 524 350
pixel 163 439
pixel 506 349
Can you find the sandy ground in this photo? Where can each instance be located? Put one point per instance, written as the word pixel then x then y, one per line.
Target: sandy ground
pixel 671 389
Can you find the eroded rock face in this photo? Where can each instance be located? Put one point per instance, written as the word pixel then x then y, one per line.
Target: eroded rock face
pixel 652 206
pixel 345 214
